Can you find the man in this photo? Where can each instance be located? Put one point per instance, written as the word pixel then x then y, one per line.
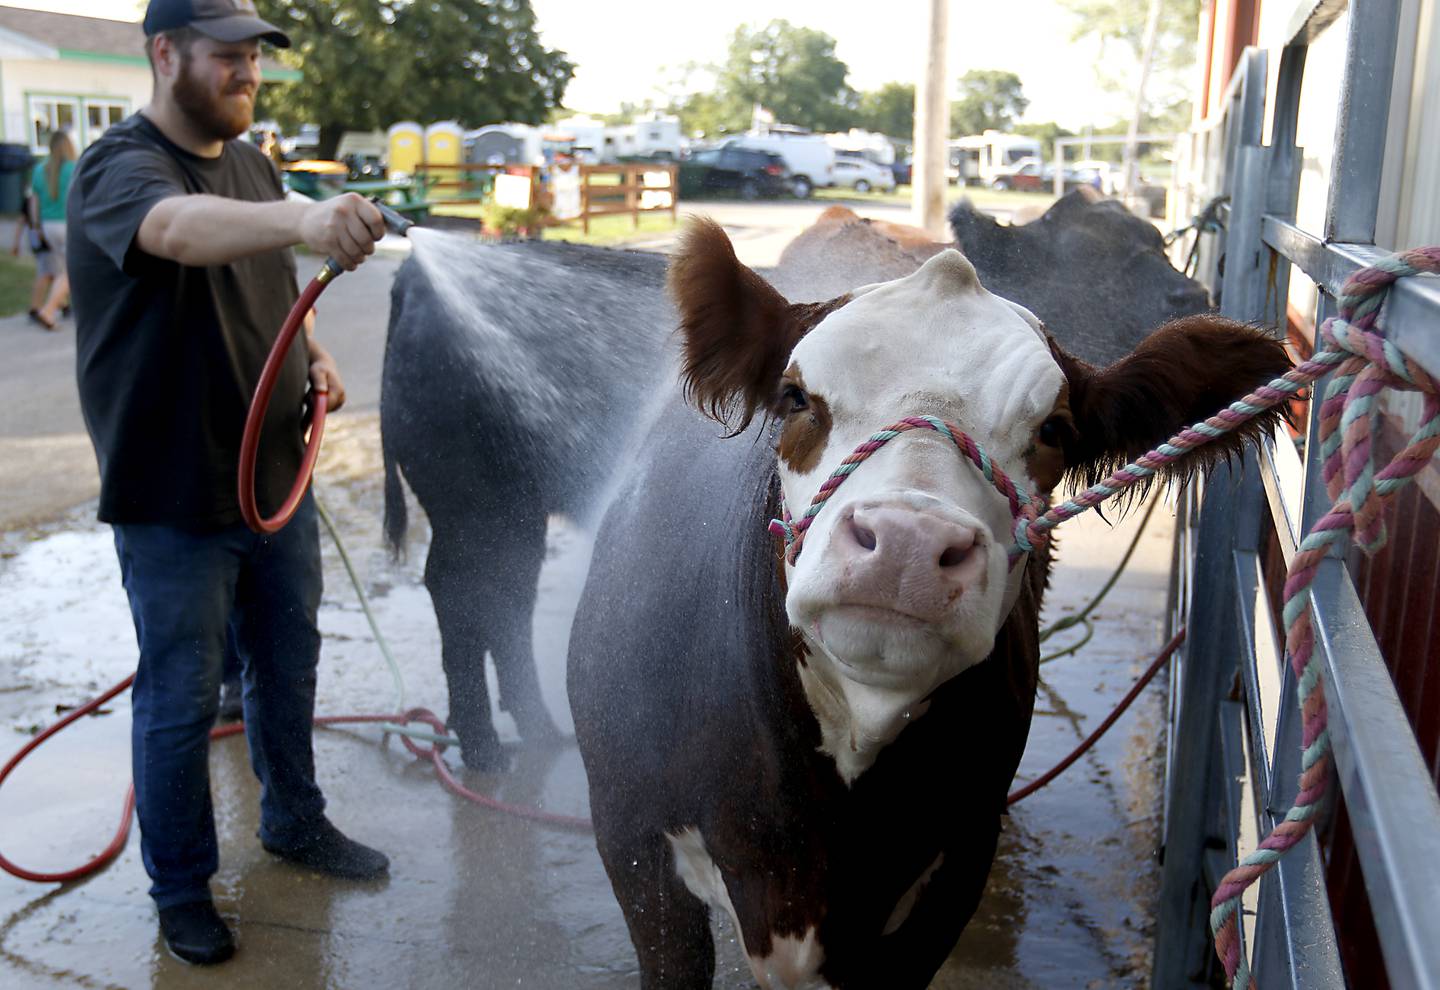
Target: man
pixel 179 251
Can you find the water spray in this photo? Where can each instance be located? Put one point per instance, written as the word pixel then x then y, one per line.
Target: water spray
pixel 319 401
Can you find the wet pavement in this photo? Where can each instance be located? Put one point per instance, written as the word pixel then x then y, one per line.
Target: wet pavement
pixel 474 898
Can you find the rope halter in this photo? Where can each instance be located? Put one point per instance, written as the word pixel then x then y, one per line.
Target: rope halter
pixel 1024 507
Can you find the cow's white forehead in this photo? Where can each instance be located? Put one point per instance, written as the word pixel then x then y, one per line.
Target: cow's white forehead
pixel 933 342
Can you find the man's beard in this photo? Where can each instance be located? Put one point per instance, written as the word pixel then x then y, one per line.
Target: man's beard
pixel 213 116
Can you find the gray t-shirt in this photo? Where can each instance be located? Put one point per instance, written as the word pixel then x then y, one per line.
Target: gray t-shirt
pixel 168 355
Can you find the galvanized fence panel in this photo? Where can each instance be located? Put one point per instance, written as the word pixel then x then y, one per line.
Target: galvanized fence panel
pixel 1233 697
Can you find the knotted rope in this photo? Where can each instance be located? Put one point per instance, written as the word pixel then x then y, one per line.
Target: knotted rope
pixel 1364 363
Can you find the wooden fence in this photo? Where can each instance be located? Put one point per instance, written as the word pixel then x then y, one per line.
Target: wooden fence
pixel 632 188
pixel 605 190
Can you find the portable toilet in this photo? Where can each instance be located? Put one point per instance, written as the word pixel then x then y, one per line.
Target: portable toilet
pixel 444 145
pixel 406 143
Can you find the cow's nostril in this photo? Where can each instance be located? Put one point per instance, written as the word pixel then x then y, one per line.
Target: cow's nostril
pixel 955 556
pixel 864 536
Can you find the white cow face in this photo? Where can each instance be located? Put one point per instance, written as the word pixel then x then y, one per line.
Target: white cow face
pixel 904 580
pixel 904 577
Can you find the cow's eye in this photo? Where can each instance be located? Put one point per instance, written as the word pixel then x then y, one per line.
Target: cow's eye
pixel 793 400
pixel 1052 431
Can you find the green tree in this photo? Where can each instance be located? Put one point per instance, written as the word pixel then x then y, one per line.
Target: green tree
pixel 889 110
pixel 1119 25
pixel 988 98
pixel 709 114
pixel 790 71
pixel 369 63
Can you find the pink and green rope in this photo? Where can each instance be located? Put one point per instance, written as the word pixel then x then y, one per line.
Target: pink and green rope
pixel 1364 365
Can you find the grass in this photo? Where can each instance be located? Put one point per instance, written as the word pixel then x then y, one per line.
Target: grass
pixel 607 231
pixel 17 278
pixel 981 196
pixel 611 231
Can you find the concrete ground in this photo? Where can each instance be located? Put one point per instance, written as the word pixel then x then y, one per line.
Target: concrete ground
pixel 474 898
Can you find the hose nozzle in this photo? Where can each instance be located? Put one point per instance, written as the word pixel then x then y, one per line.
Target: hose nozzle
pixel 394 222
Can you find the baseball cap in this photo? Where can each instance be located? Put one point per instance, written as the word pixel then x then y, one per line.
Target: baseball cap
pixel 223 20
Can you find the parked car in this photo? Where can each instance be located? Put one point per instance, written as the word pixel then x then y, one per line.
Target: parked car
pixel 809 157
pixel 1027 174
pixel 862 175
pixel 747 172
pixel 1031 176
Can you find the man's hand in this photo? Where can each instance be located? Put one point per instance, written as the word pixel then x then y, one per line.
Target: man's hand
pixel 325 376
pixel 344 228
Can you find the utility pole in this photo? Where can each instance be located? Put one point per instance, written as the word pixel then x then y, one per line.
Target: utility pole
pixel 932 126
pixel 1131 164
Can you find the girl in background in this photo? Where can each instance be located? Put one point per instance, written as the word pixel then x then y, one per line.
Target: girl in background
pixel 50 185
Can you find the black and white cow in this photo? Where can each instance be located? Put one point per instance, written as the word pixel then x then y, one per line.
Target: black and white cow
pixel 507 395
pixel 822 749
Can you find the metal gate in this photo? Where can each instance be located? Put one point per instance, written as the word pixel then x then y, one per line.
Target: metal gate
pixel 1234 757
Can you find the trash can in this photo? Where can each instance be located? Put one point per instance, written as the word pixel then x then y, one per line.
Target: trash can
pixel 15 162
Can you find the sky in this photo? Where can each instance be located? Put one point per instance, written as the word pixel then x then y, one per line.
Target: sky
pixel 624 58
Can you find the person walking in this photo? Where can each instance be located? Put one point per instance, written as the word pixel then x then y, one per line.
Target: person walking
pixel 179 252
pixel 43 220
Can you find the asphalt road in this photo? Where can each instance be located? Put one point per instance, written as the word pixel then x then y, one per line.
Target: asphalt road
pixel 46 463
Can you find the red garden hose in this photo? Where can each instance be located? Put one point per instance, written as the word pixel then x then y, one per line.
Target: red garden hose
pixel 121 833
pixel 319 402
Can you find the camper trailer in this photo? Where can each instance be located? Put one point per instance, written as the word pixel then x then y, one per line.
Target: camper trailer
pixel 865 144
pixel 980 158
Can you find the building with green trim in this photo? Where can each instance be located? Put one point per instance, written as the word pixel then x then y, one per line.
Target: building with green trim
pixel 81 74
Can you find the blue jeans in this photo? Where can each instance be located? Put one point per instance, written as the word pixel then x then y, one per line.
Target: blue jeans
pixel 186 588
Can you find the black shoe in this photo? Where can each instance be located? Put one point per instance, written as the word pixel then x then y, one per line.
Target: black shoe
pixel 196 934
pixel 232 701
pixel 326 849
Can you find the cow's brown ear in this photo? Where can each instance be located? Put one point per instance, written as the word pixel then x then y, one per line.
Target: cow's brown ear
pixel 1185 372
pixel 737 330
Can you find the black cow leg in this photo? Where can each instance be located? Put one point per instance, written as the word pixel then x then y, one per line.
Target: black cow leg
pixel 669 926
pixel 512 644
pixel 454 575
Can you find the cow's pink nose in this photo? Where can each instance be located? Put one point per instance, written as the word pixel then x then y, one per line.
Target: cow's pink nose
pixel 910 552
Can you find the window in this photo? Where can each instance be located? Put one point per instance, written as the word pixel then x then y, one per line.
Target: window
pixel 85 117
pixel 49 114
pixel 101 115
